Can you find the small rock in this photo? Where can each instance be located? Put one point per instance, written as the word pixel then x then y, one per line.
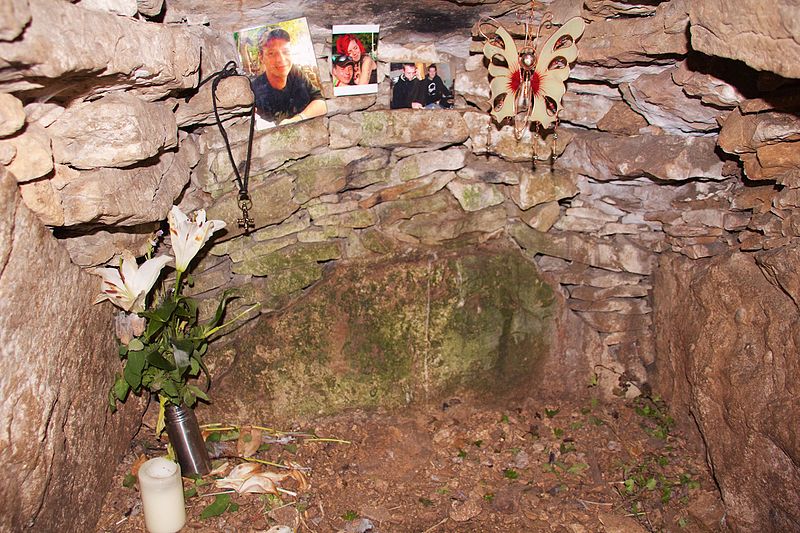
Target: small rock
pixel 463 511
pixel 279 529
pixel 362 525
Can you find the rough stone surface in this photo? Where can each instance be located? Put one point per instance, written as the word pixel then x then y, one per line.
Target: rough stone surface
pixel 378 347
pixel 669 158
pixel 767 42
pixel 60 59
pixel 14 16
pixel 109 195
pixel 118 7
pixel 12 115
pixel 33 154
pixel 115 131
pixel 234 97
pixel 728 335
pixel 56 400
pixel 414 128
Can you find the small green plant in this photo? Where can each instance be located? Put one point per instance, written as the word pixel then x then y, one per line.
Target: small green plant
pixel 349 516
pixel 509 473
pixel 558 433
pixel 489 496
pixel 550 413
pixel 504 419
pixel 462 454
pixel 427 502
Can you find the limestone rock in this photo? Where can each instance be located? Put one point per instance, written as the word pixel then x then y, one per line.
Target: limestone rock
pixel 391 52
pixel 109 195
pixel 543 185
pixel 288 259
pixel 728 336
pixel 619 253
pixel 768 42
pixel 670 158
pixel 712 90
pixel 491 170
pixel 33 155
pixel 12 115
pixel 425 163
pixel 616 42
pixel 542 217
pixel 584 109
pixel 474 196
pixel 14 16
pixel 115 131
pixel 622 120
pixel 61 59
pixel 777 162
pixel 354 342
pixel 149 8
pixel 437 228
pixel 271 149
pixel 100 247
pixel 746 133
pixel 392 211
pixel 117 7
pixel 234 97
pixel 45 434
pixel 328 172
pixel 272 203
pixel 400 127
pixel 664 104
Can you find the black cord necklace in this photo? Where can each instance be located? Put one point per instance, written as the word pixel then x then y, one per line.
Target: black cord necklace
pixel 243 179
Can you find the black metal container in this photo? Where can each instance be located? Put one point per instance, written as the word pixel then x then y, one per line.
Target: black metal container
pixel 187 440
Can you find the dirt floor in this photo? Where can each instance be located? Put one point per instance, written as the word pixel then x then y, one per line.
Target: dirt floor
pixel 458 466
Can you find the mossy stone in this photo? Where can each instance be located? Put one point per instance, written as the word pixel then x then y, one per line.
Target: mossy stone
pixel 393 332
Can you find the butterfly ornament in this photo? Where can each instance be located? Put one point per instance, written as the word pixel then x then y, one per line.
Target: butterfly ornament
pixel 528 82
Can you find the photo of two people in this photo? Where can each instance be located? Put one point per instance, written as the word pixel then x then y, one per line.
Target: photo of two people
pixel 354 60
pixel 421 86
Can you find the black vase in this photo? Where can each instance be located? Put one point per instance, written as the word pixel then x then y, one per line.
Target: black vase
pixel 187 440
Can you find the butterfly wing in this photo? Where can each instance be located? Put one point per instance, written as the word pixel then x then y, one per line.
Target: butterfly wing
pixel 503 84
pixel 552 70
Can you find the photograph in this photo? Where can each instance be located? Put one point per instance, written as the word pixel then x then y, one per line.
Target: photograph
pixel 279 59
pixel 419 85
pixel 354 59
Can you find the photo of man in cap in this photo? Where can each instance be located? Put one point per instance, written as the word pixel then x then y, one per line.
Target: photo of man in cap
pixel 343 70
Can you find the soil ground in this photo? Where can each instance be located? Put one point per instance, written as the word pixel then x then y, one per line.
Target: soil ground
pixel 461 466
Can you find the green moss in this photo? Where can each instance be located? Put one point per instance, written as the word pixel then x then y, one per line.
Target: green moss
pixel 409 329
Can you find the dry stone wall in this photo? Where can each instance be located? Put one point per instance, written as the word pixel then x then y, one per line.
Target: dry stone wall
pixel 677 139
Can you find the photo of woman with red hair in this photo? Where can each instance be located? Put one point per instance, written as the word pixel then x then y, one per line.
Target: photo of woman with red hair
pixel 351 44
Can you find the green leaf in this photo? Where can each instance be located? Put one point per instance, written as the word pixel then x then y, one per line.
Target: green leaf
pixel 158 361
pixel 226 296
pixel 188 398
pixel 510 474
pixel 233 507
pixel 651 484
pixel 121 388
pixel 129 480
pixel 182 350
pixel 577 468
pixel 164 312
pixel 191 491
pixel 135 345
pixel 198 392
pixel 219 506
pixel 152 329
pixel 123 350
pixel 112 401
pixel 133 369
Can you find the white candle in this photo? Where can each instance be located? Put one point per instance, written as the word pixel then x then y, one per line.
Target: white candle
pixel 162 496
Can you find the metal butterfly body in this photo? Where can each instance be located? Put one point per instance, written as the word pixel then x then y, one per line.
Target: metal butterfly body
pixel 530 82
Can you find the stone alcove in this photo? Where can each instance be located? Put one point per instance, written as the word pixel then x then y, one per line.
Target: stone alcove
pixel 666 229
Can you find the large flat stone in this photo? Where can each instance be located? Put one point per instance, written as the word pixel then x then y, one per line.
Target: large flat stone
pixel 403 127
pixel 55 392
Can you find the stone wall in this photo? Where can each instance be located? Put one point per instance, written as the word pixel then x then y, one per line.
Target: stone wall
pixel 677 137
pixel 59 444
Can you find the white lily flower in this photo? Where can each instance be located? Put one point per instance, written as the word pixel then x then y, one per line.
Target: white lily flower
pixel 188 235
pixel 127 286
